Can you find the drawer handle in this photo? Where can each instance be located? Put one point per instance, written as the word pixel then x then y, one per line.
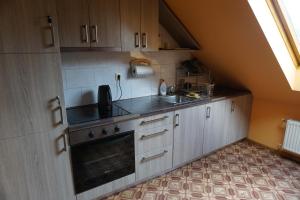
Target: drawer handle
pixel 146 159
pixel 153 120
pixel 144 137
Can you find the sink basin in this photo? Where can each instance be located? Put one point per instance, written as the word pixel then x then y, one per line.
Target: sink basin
pixel 177 99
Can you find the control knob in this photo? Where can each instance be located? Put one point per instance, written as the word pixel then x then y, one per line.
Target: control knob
pixel 104 132
pixel 117 129
pixel 91 134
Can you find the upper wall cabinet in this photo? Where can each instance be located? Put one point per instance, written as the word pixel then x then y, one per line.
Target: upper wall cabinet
pixel 28 26
pixel 73 23
pixel 92 23
pixel 139 25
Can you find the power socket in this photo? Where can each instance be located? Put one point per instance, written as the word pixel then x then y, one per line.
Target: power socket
pixel 117 76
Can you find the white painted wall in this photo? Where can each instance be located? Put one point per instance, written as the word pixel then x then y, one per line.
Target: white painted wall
pixel 83 72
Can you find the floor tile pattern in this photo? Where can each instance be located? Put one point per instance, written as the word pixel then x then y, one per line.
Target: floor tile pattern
pixel 241 171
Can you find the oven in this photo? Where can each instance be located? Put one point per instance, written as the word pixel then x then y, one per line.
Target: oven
pixel 101 154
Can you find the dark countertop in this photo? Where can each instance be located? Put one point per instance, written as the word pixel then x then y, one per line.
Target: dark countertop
pixel 151 105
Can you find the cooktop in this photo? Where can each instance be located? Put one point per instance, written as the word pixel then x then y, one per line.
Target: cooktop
pixel 88 113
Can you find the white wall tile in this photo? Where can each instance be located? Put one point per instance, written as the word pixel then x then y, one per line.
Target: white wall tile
pixel 73 97
pixel 80 78
pixel 83 72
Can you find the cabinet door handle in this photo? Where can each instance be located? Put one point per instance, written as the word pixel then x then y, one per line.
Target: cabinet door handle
pixel 146 159
pixel 144 40
pixel 153 120
pixel 144 137
pixel 176 120
pixel 50 23
pixel 84 33
pixel 65 142
pixel 137 40
pixel 94 33
pixel 208 112
pixel 232 106
pixel 57 98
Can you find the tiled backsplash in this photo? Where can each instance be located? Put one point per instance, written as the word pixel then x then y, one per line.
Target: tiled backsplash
pixel 83 72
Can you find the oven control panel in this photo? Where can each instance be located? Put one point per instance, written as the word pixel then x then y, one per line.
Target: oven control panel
pixel 98 132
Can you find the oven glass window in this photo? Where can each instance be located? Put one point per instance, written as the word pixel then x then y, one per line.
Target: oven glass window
pixel 102 161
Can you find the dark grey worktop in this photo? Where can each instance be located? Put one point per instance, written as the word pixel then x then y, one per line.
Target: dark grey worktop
pixel 151 105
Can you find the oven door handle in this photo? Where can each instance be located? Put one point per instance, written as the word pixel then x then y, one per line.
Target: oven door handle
pixel 144 137
pixel 146 159
pixel 153 120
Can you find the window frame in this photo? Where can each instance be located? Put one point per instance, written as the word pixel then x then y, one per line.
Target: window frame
pixel 285 30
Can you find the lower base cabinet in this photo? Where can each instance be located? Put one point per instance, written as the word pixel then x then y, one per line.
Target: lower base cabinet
pixel 35 167
pixel 238 111
pixel 214 134
pixel 188 134
pixel 153 163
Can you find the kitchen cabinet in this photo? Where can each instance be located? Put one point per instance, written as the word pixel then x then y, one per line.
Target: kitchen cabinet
pixel 139 25
pixel 29 85
pixel 33 154
pixel 188 134
pixel 73 23
pixel 35 167
pixel 91 23
pixel 153 145
pixel 28 26
pixel 237 118
pixel 214 134
pixel 153 163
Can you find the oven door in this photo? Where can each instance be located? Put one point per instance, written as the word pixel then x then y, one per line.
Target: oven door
pixel 102 161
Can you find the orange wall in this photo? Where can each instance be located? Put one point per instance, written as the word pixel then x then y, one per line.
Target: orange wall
pixel 266 121
pixel 234 47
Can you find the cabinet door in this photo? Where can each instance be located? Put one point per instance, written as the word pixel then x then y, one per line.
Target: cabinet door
pixel 214 134
pixel 149 25
pixel 243 110
pixel 188 134
pixel 238 116
pixel 35 167
pixel 130 25
pixel 29 84
pixel 105 23
pixel 25 27
pixel 73 23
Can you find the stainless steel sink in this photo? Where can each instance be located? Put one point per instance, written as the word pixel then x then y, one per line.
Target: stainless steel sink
pixel 176 99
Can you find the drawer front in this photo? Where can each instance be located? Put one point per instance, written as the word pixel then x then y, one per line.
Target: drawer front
pixel 156 138
pixel 153 163
pixel 155 121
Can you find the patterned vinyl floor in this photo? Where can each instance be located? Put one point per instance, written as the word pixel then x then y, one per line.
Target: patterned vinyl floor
pixel 240 171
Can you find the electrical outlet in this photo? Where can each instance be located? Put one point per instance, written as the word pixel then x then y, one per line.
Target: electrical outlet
pixel 117 76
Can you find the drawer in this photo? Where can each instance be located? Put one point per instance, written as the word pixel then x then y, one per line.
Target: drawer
pixel 153 163
pixel 155 121
pixel 155 138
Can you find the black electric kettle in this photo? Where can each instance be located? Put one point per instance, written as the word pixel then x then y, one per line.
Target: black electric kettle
pixel 104 98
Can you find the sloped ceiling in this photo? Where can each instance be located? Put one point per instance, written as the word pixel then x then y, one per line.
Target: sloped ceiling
pixel 234 46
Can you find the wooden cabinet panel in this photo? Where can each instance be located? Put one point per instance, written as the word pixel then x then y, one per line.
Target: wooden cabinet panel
pixel 188 134
pixel 73 23
pixel 156 138
pixel 160 120
pixel 154 162
pixel 105 23
pixel 130 24
pixel 28 84
pixel 34 167
pixel 149 25
pixel 24 26
pixel 238 117
pixel 214 134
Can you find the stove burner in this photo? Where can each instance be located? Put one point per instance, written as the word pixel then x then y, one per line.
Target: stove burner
pixel 92 112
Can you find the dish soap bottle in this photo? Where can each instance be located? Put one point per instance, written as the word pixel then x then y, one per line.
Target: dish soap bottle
pixel 162 88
